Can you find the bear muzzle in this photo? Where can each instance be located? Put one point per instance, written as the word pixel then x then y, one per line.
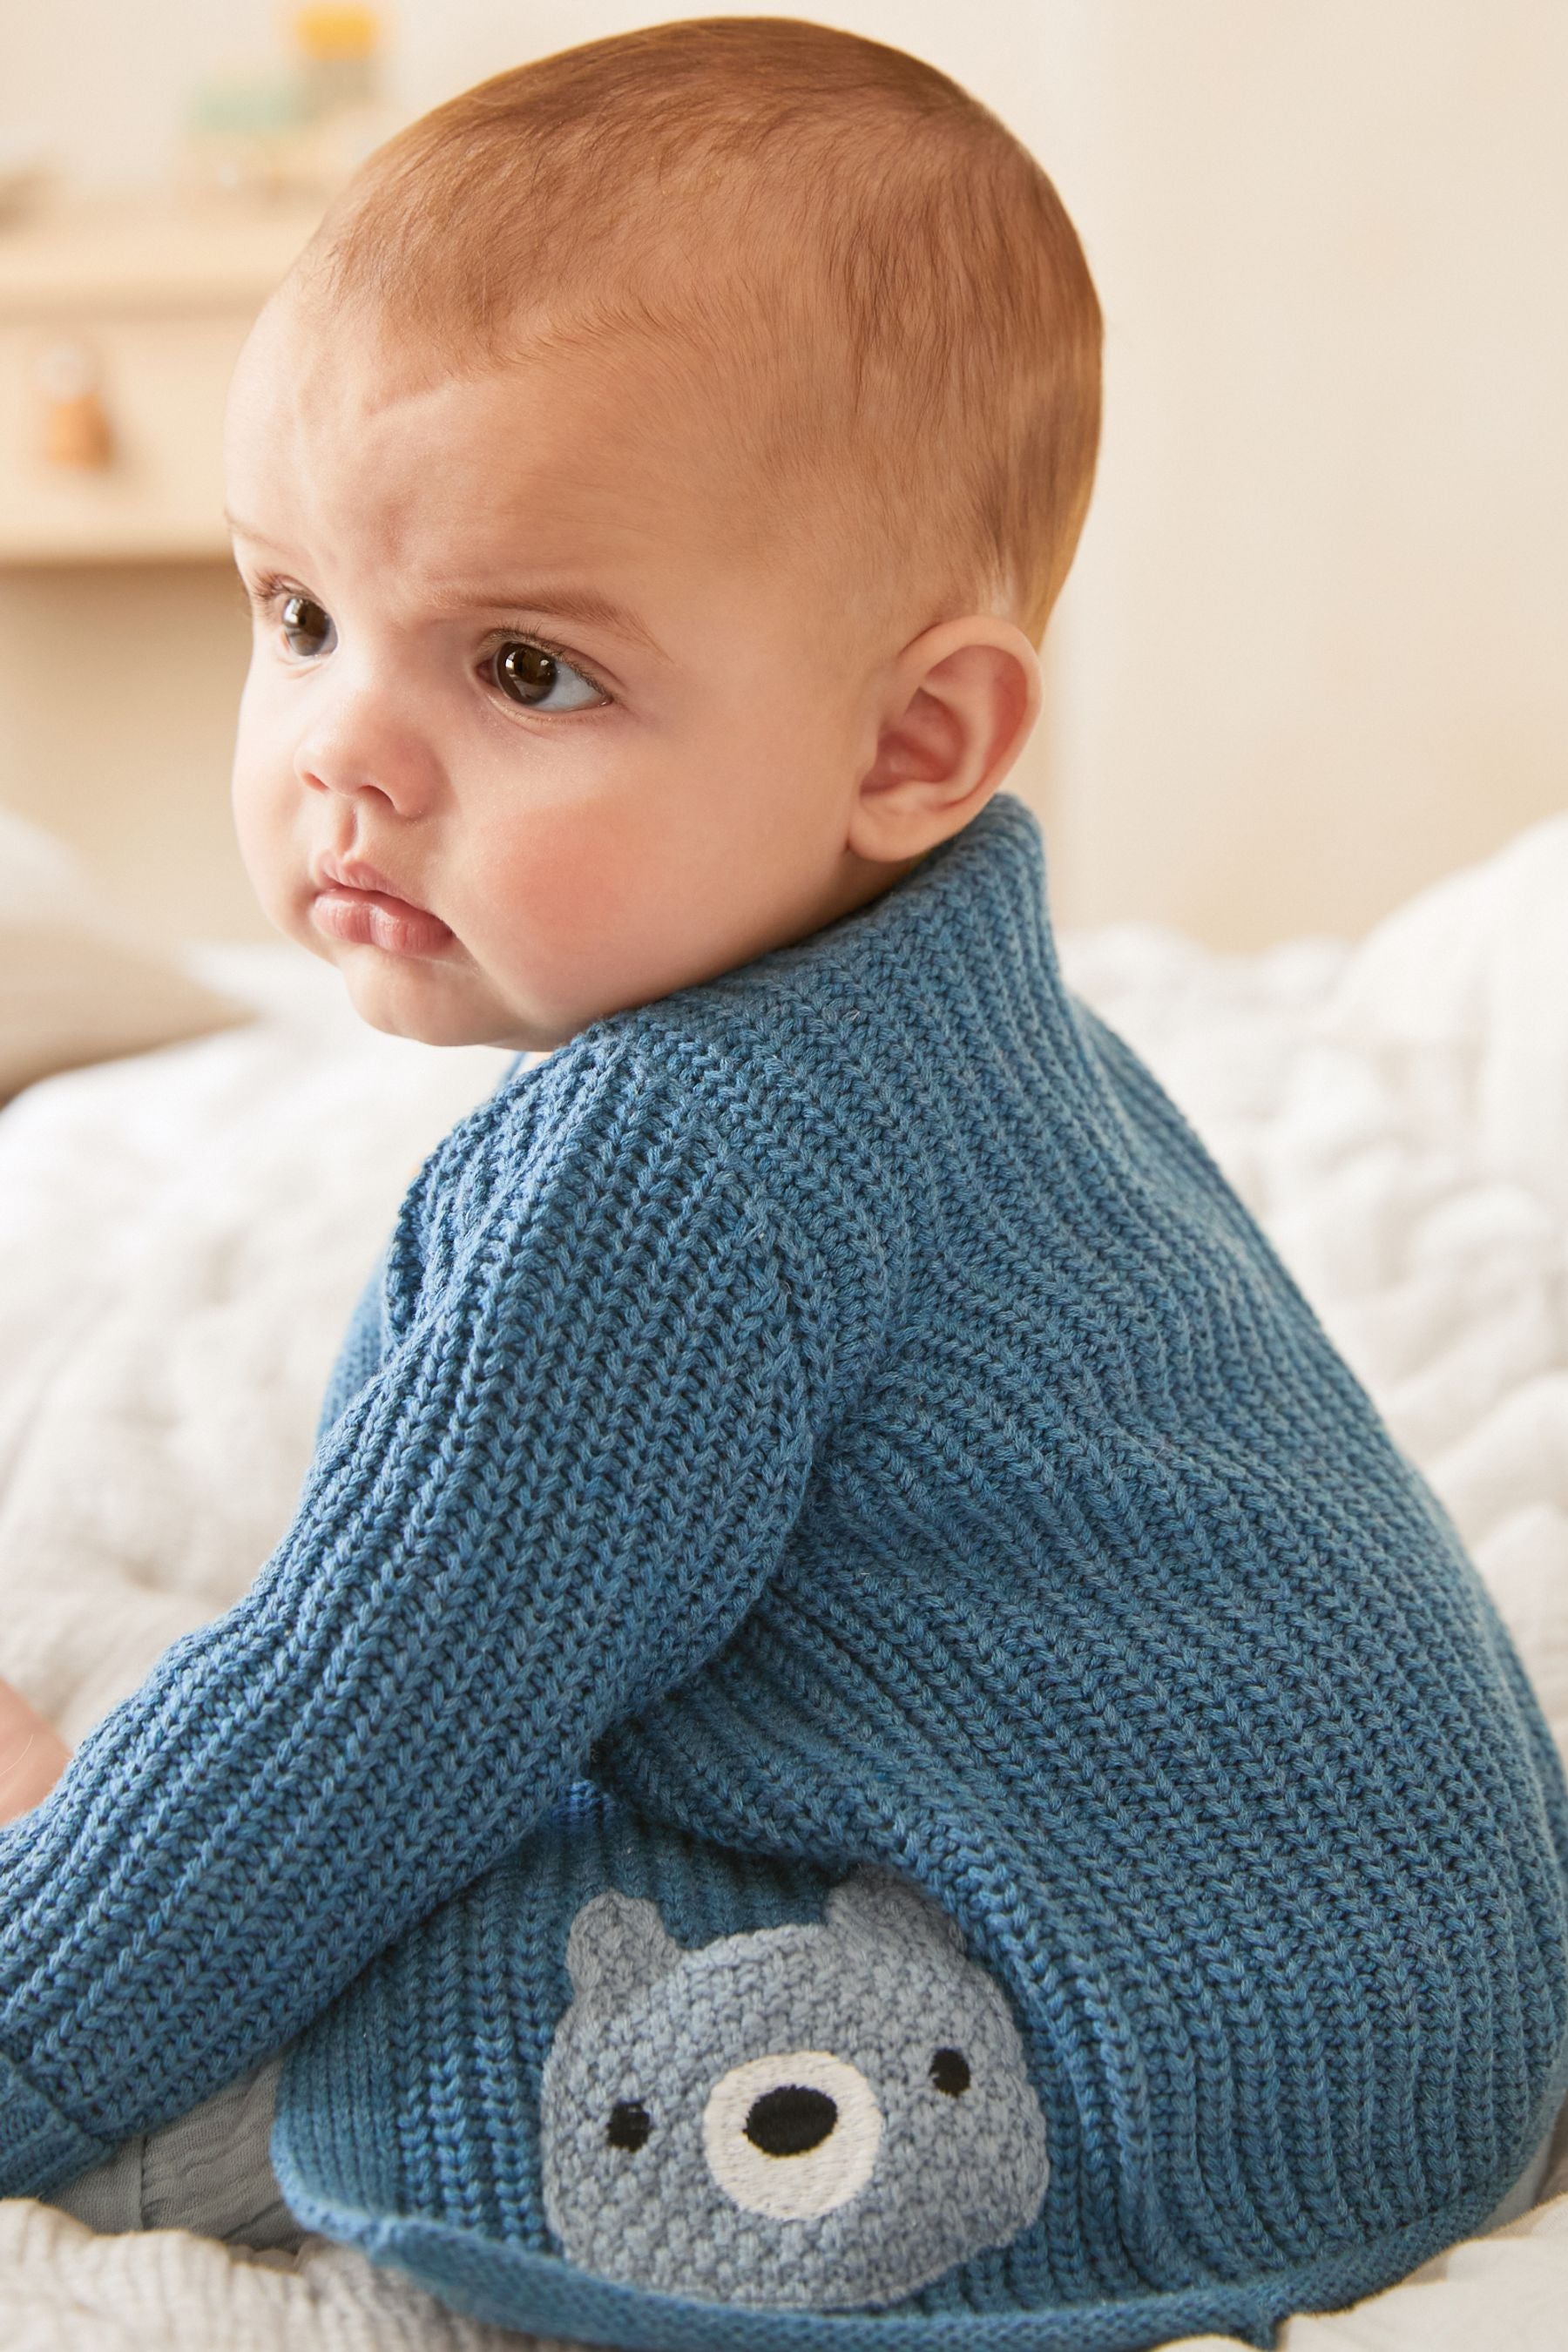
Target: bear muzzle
pixel 792 2135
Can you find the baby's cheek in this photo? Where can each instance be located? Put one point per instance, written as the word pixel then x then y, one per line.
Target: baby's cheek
pixel 264 833
pixel 582 904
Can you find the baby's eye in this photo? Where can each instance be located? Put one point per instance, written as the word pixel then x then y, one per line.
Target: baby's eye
pixel 539 680
pixel 304 625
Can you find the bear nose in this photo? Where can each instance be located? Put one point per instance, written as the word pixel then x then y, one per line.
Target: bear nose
pixel 792 2135
pixel 788 2121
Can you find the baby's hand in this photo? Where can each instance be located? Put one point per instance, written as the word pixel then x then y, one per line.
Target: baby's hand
pixel 32 1755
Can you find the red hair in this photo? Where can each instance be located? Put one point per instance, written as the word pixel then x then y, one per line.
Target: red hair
pixel 861 272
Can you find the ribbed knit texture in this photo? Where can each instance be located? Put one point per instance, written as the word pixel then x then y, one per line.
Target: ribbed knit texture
pixel 841 1412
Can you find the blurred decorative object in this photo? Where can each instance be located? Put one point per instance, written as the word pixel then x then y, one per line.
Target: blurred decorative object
pixel 271 135
pixel 339 51
pixel 119 324
pixel 76 423
pixel 239 133
pixel 25 173
pixel 78 985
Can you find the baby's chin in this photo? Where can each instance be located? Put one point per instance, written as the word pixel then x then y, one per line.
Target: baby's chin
pixel 434 1002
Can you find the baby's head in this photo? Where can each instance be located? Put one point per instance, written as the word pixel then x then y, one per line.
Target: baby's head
pixel 652 484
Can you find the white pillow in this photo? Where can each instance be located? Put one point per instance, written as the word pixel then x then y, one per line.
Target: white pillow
pixel 76 984
pixel 1480 960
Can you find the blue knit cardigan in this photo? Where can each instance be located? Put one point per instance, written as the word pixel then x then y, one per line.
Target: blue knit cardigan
pixel 840 1411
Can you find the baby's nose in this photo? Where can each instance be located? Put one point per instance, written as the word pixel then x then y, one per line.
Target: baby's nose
pixel 793 2134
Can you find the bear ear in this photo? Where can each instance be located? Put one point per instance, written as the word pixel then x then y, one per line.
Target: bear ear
pixel 617 1947
pixel 878 1904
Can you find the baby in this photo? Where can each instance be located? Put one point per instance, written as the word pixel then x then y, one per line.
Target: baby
pixel 859 1720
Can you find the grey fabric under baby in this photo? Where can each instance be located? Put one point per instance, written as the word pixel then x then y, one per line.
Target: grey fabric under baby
pixel 211 2171
pixel 207 2171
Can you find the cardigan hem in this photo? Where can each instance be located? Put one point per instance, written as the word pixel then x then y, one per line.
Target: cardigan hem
pixel 509 2285
pixel 40 2149
pixel 543 2295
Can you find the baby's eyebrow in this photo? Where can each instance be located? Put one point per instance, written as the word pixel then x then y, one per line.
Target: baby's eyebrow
pixel 587 605
pixel 243 530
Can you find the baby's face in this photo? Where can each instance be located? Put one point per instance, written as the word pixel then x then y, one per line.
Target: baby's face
pixel 524 739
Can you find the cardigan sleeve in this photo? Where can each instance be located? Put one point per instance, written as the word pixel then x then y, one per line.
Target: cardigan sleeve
pixel 359 1351
pixel 549 1491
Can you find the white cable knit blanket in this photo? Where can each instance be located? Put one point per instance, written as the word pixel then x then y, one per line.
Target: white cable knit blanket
pixel 182 1236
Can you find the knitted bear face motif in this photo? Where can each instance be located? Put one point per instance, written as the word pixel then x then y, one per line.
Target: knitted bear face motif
pixel 827 2117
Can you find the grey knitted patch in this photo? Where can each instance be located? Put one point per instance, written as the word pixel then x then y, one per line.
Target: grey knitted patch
pixel 827 2116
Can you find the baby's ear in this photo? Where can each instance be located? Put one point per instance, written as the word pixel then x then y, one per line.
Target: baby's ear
pixel 617 1947
pixel 956 709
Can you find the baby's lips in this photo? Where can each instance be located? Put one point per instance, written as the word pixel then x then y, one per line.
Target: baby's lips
pixel 375 918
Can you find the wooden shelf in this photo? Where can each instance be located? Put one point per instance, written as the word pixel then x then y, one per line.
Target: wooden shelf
pixel 151 302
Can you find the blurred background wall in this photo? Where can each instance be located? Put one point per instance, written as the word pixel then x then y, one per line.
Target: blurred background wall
pixel 1314 653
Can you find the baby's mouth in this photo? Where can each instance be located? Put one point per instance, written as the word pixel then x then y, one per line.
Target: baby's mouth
pixel 374 919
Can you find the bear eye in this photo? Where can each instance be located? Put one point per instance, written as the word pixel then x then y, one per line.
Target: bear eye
pixel 628 2126
pixel 950 2073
